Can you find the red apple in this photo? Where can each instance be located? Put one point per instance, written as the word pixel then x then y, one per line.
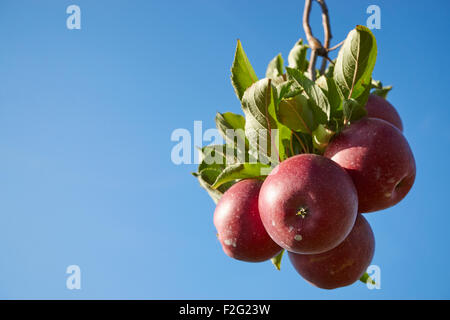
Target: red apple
pixel 379 160
pixel 380 108
pixel 308 204
pixel 239 226
pixel 342 265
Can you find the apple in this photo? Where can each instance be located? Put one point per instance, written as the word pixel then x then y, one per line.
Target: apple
pixel 308 204
pixel 380 108
pixel 378 158
pixel 342 265
pixel 239 226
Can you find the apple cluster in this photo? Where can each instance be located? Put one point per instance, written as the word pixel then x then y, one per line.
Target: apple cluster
pixel 334 150
pixel 311 205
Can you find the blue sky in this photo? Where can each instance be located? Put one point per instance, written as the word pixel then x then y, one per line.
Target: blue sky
pixel 85 122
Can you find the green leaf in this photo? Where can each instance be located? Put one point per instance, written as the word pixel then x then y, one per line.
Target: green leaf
pixel 320 104
pixel 383 92
pixel 330 69
pixel 214 156
pixel 366 278
pixel 302 143
pixel 287 89
pixel 229 120
pixel 355 62
pixel 376 84
pixel 213 193
pixel 282 141
pixel 329 87
pixel 380 90
pixel 296 114
pixel 275 68
pixel 276 261
pixel 214 161
pixel 242 73
pixel 362 100
pixel 258 104
pixel 242 171
pixel 282 137
pixel 232 127
pixel 283 89
pixel 321 137
pixel 353 110
pixel 210 174
pixel 297 56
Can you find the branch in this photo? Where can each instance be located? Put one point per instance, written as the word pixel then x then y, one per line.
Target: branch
pixel 313 42
pixel 327 33
pixel 336 46
pixel 317 49
pixel 326 24
pixel 312 65
pixel 306 26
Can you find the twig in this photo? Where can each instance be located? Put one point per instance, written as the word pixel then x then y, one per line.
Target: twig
pixel 327 33
pixel 317 49
pixel 336 46
pixel 326 24
pixel 329 60
pixel 313 42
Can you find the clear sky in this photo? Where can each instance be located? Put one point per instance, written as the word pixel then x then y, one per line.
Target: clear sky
pixel 86 117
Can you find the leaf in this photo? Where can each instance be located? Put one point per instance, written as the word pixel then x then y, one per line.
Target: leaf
pixel 242 171
pixel 366 278
pixel 353 110
pixel 383 92
pixel 297 56
pixel 258 104
pixel 282 141
pixel 213 193
pixel 242 73
pixel 214 156
pixel 268 138
pixel 283 89
pixel 302 143
pixel 380 90
pixel 231 120
pixel 296 114
pixel 330 69
pixel 321 137
pixel 287 89
pixel 329 87
pixel 355 62
pixel 275 68
pixel 320 104
pixel 282 136
pixel 232 127
pixel 362 100
pixel 276 261
pixel 210 174
pixel 376 84
pixel 214 161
